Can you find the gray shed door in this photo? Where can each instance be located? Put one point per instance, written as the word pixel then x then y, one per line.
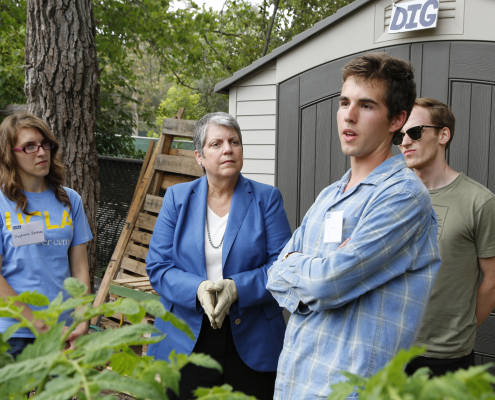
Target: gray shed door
pixel 309 156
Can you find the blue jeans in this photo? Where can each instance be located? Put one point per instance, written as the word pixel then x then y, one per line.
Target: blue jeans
pixel 18 344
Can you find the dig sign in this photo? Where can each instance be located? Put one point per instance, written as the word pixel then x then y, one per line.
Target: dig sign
pixel 414 15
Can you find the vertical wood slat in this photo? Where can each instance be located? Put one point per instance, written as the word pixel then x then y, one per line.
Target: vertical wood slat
pixel 401 52
pixel 324 116
pixel 307 179
pixel 322 81
pixel 491 161
pixel 288 148
pixel 479 137
pixel 417 63
pixel 339 159
pixel 435 78
pixel 461 101
pixel 149 154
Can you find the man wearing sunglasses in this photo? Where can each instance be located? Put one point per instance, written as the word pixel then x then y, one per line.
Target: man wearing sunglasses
pixel 358 272
pixel 466 235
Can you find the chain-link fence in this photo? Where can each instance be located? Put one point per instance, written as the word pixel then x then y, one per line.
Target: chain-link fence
pixel 118 179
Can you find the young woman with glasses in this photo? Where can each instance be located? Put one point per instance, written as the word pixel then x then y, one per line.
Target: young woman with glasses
pixel 31 192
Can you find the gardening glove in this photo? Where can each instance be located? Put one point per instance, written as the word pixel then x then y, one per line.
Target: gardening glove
pixel 207 299
pixel 226 295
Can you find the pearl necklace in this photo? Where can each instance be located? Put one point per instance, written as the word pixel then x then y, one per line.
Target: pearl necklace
pixel 208 228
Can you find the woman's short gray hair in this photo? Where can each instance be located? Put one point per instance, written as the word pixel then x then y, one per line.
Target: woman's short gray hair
pixel 217 118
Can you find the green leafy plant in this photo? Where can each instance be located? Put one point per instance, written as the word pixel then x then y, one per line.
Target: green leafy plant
pixel 392 383
pixel 57 374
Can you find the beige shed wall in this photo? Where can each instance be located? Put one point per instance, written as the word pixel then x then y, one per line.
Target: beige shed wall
pixel 363 30
pixel 253 103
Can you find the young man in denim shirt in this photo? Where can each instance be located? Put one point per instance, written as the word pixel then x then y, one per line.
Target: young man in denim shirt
pixel 358 272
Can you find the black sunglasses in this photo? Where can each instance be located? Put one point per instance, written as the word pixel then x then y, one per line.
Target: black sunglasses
pixel 414 133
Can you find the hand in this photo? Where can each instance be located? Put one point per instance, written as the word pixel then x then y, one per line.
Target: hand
pixel 207 299
pixel 40 326
pixel 81 329
pixel 343 243
pixel 226 295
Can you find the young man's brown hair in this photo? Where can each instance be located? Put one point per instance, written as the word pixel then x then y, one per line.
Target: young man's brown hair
pixel 397 75
pixel 440 114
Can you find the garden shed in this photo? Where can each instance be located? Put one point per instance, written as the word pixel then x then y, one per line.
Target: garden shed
pixel 286 102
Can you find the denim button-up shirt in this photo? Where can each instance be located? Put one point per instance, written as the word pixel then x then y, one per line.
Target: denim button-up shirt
pixel 355 307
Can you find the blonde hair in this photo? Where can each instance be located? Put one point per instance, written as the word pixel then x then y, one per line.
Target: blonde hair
pixel 10 180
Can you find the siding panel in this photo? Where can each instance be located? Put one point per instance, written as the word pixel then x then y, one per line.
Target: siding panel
pixel 248 93
pixel 324 117
pixel 266 77
pixel 479 138
pixel 267 179
pixel 263 152
pixel 322 81
pixel 417 63
pixel 288 147
pixel 233 102
pixel 308 141
pixel 435 78
pixel 258 166
pixel 485 340
pixel 473 61
pixel 491 162
pixel 257 122
pixel 339 159
pixel 461 100
pixel 401 52
pixel 258 137
pixel 266 107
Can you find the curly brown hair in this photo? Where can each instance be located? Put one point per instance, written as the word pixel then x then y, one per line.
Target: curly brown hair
pixel 10 180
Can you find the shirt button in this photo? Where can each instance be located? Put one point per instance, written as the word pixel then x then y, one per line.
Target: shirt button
pixel 317 242
pixel 237 321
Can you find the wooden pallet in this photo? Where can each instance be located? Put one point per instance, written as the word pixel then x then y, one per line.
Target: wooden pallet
pixel 166 167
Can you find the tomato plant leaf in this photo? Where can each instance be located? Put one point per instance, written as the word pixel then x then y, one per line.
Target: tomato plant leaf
pixel 60 388
pixel 74 287
pixel 203 360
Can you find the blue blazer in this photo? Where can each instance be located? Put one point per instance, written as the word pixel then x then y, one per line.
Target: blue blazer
pixel 257 230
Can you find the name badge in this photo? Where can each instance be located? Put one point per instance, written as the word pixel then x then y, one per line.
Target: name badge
pixel 333 227
pixel 33 232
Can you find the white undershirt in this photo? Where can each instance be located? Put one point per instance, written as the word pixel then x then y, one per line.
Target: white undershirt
pixel 214 256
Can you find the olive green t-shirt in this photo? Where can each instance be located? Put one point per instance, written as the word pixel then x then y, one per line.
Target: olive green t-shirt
pixel 466 231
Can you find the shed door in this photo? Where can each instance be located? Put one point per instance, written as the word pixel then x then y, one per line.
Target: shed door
pixel 309 155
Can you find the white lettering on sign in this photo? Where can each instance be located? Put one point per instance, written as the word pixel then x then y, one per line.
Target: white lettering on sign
pixel 414 15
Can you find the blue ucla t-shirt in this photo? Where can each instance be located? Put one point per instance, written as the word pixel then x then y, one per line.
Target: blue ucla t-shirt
pixel 41 266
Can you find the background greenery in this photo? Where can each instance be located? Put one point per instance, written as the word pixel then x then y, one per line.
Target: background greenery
pixel 158 59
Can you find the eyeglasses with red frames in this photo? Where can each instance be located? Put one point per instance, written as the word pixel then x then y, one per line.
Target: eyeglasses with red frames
pixel 34 148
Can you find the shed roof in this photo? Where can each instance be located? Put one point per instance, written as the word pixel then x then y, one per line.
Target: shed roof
pixel 223 86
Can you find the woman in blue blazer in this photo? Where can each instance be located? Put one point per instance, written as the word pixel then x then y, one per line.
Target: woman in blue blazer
pixel 212 244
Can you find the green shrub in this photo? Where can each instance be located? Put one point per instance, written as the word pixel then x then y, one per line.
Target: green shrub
pixel 392 383
pixel 57 374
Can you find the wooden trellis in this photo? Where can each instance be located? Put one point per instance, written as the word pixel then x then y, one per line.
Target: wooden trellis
pixel 164 167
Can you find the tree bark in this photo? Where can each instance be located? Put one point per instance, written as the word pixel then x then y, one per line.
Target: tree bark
pixel 62 88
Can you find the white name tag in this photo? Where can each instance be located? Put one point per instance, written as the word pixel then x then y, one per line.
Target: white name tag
pixel 34 232
pixel 333 227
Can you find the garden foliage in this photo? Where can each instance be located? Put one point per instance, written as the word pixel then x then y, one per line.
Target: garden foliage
pixel 58 375
pixel 392 383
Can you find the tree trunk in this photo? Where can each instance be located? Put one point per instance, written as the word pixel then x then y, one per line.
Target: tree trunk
pixel 62 88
